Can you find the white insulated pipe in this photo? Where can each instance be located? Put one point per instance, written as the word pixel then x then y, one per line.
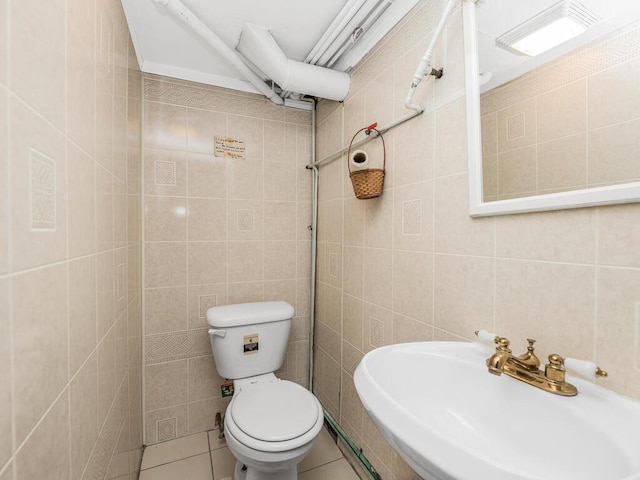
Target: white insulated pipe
pixel 345 41
pixel 424 67
pixel 261 49
pixel 339 23
pixel 180 12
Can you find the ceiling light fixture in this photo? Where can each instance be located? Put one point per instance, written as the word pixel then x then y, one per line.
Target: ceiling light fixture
pixel 551 27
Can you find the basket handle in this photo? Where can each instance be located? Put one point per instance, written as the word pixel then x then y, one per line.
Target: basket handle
pixel 378 134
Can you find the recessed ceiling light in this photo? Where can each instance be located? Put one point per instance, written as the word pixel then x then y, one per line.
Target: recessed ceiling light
pixel 551 27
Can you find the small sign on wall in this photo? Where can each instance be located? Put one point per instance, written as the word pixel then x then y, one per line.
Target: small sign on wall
pixel 227 147
pixel 250 344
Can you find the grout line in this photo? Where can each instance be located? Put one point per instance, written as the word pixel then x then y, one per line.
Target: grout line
pixel 9 100
pixel 178 459
pixel 66 206
pixel 7 466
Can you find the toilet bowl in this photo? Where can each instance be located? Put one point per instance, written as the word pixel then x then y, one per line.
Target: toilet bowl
pixel 270 424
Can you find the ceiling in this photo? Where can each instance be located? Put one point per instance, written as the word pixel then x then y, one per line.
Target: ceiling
pixel 495 17
pixel 165 46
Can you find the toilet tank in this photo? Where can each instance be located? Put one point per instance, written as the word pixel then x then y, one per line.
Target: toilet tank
pixel 249 339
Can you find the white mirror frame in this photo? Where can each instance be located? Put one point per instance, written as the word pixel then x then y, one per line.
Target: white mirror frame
pixel 609 195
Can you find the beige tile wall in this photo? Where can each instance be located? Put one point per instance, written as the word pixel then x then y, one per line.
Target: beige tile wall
pixel 70 309
pixel 217 231
pixel 412 265
pixel 568 125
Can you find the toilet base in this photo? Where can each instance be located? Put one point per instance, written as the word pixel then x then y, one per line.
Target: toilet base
pixel 252 474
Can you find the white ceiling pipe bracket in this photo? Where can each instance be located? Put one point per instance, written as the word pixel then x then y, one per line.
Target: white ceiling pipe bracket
pixel 424 67
pixel 261 49
pixel 180 12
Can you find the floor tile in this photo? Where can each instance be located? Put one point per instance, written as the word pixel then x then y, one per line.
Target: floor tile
pixel 324 451
pixel 337 470
pixel 193 468
pixel 173 450
pixel 223 463
pixel 214 441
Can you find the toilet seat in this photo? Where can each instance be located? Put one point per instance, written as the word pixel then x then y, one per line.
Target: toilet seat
pixel 274 416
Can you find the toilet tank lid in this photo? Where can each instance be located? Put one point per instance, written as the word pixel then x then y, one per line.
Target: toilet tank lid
pixel 249 313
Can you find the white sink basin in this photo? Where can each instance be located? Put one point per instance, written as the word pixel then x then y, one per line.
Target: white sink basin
pixel 439 408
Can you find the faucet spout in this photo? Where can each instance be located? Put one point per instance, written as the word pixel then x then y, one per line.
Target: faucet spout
pixel 496 363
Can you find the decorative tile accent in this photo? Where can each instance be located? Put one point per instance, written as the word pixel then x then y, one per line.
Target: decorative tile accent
pixel 218 99
pixel 120 281
pixel 176 345
pixel 166 429
pixel 42 177
pixel 376 335
pixel 412 217
pixel 165 172
pixel 245 221
pixel 351 357
pixel 205 302
pixel 333 264
pixel 515 126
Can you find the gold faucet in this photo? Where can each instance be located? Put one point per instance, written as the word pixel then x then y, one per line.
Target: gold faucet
pixel 526 368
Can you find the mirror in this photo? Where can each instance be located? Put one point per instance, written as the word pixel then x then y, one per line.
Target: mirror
pixel 557 130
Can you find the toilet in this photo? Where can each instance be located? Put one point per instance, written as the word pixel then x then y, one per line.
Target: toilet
pixel 270 424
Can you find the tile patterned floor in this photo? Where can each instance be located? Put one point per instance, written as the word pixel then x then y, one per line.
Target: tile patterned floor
pixel 204 457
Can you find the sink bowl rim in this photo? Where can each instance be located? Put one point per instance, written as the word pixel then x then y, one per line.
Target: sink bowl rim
pixel 402 428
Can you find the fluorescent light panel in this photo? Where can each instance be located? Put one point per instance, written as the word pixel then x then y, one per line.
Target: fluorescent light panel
pixel 551 27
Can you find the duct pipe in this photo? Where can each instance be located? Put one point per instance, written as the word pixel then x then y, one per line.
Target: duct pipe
pixel 424 67
pixel 261 49
pixel 193 23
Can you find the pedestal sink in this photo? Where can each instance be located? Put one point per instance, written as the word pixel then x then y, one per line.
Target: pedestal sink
pixel 439 408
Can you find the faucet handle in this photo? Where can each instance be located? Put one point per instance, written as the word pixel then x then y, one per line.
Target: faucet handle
pixel 531 342
pixel 502 344
pixel 584 369
pixel 555 370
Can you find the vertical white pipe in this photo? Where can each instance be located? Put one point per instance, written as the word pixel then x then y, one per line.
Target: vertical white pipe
pixel 314 244
pixel 424 67
pixel 472 80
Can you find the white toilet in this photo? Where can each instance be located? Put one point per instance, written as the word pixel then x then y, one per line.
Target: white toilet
pixel 270 424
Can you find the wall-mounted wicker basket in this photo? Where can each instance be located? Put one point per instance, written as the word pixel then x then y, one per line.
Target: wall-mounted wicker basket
pixel 367 183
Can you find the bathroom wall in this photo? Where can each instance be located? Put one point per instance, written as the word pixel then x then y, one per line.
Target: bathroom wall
pixel 217 231
pixel 412 265
pixel 70 292
pixel 568 125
